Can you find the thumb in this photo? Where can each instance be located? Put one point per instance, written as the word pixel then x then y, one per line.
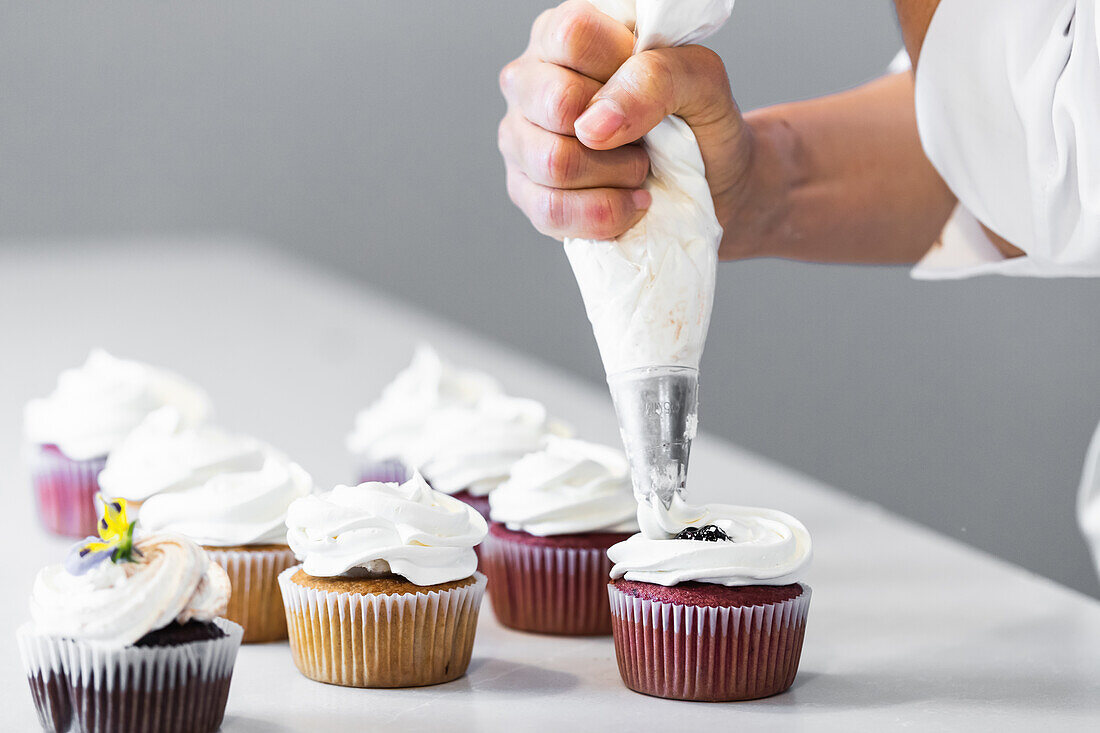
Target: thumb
pixel 688 81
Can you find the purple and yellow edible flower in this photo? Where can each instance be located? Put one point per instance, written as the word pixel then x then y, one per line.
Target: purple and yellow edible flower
pixel 115 541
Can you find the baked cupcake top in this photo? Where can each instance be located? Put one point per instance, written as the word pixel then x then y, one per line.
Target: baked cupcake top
pixel 375 529
pixel 112 591
pixel 713 543
pixel 473 448
pixel 569 487
pixel 384 430
pixel 218 488
pixel 96 405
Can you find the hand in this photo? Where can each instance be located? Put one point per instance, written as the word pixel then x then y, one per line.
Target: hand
pixel 579 102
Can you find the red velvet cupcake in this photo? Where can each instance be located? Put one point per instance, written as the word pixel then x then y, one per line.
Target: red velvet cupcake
pixel 71 432
pixel 546 553
pixel 713 613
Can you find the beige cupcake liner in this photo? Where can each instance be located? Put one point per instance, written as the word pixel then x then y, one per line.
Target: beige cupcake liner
pixel 368 640
pixel 255 602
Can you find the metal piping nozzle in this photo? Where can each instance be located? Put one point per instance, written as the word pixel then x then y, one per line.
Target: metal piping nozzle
pixel 658 409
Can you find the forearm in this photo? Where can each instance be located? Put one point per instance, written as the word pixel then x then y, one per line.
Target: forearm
pixel 838 179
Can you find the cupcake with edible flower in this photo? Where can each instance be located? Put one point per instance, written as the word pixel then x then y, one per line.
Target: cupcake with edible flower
pixel 126 635
pixel 707 601
pixel 553 521
pixel 384 430
pixel 71 433
pixel 229 493
pixel 388 592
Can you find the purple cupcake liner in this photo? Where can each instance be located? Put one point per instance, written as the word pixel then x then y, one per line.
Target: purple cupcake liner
pixel 65 490
pixel 389 471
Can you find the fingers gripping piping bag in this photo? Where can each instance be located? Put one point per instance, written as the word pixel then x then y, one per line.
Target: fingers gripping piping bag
pixel 649 293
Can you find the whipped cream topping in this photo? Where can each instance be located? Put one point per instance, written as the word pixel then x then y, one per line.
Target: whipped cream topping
pixel 375 529
pixel 767 547
pixel 569 487
pixel 649 293
pixel 473 448
pixel 117 604
pixel 218 488
pixel 385 430
pixel 96 405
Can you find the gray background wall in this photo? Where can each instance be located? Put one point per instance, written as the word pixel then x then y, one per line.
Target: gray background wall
pixel 361 135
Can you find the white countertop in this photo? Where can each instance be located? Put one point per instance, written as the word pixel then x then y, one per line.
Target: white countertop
pixel 906 628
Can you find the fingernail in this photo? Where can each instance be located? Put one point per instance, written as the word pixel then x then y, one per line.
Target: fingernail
pixel 600 121
pixel 642 199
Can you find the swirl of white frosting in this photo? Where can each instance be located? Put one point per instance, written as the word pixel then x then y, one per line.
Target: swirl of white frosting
pixel 96 405
pixel 374 529
pixel 117 604
pixel 768 547
pixel 384 430
pixel 215 487
pixel 569 487
pixel 474 448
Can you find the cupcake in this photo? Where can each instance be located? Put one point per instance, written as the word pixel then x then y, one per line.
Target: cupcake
pixel 71 432
pixel 387 594
pixel 126 636
pixel 707 602
pixel 553 521
pixel 384 430
pixel 469 451
pixel 227 492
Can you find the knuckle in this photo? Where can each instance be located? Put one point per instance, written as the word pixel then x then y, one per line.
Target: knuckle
pixel 639 170
pixel 576 30
pixel 601 213
pixel 709 65
pixel 552 211
pixel 504 132
pixel 655 73
pixel 564 104
pixel 508 74
pixel 561 162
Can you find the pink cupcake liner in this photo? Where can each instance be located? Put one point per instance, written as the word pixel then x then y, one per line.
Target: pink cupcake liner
pixel 548 590
pixel 65 489
pixel 704 653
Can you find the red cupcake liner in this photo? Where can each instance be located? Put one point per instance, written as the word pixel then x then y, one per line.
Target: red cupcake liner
pixel 548 589
pixel 64 490
pixel 704 653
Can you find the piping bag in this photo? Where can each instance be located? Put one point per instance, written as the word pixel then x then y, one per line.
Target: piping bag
pixel 649 293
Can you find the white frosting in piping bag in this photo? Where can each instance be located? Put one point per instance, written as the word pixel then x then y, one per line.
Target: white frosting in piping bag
pixel 218 488
pixel 375 528
pixel 768 547
pixel 649 293
pixel 117 604
pixel 569 487
pixel 96 405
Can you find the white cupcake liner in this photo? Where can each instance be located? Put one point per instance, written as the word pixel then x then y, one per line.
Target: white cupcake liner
pixel 95 689
pixel 377 640
pixel 255 603
pixel 546 589
pixel 709 654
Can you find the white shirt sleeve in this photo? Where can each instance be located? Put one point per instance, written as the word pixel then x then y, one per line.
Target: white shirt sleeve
pixel 1008 108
